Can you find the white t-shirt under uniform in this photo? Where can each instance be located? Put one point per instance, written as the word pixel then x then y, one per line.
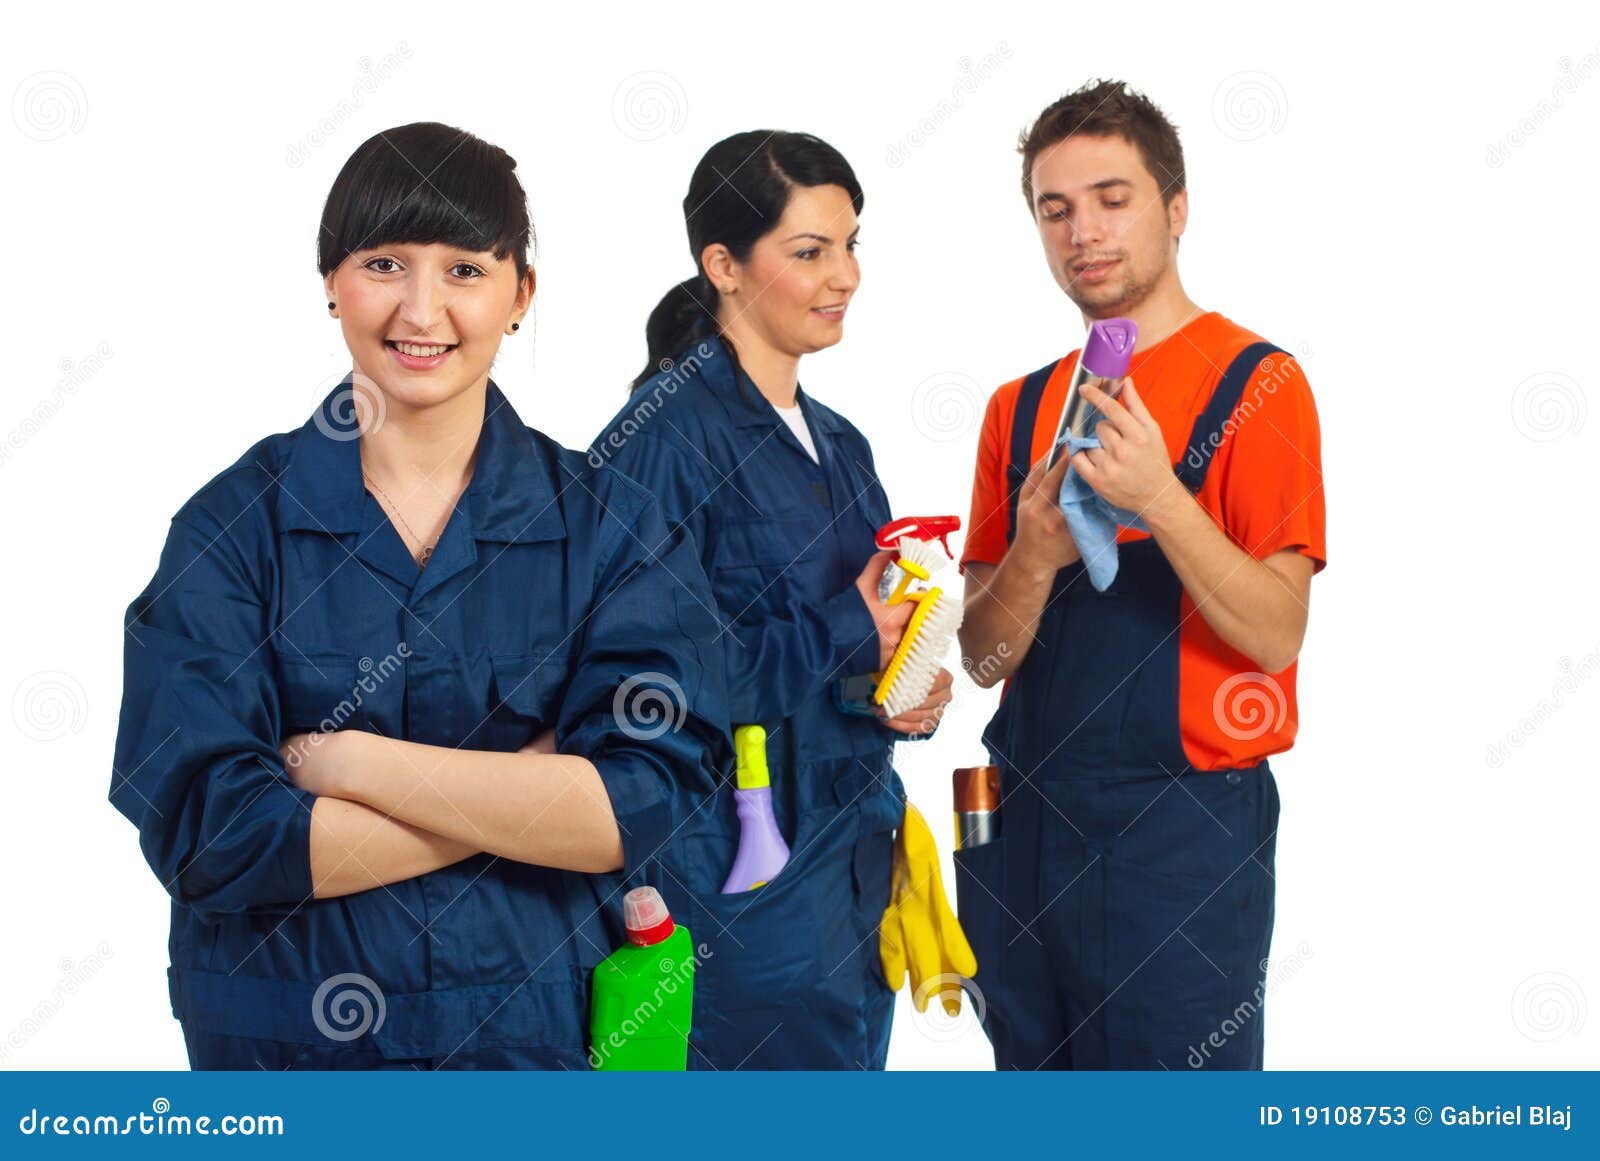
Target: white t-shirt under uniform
pixel 797 424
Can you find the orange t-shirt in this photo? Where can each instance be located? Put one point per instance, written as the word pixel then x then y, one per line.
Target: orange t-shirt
pixel 1264 489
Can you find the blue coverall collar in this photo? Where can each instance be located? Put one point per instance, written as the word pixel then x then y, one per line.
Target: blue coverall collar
pixel 510 498
pixel 747 407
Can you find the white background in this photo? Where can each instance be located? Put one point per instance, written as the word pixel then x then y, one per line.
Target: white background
pixel 1357 197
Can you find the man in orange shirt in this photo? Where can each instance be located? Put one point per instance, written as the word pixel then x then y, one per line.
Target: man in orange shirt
pixel 1122 917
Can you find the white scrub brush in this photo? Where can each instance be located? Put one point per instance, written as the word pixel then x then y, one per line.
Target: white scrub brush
pixel 909 676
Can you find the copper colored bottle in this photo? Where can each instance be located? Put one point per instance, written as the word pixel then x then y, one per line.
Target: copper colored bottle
pixel 977 797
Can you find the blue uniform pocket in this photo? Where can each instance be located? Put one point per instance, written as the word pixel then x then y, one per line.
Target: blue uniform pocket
pixel 757 564
pixel 1184 907
pixel 526 698
pixel 1188 953
pixel 317 693
pixel 980 895
pixel 781 984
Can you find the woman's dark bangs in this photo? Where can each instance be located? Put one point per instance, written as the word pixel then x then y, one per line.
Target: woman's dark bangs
pixel 442 186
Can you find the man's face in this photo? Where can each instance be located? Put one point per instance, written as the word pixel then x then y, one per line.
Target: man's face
pixel 1109 240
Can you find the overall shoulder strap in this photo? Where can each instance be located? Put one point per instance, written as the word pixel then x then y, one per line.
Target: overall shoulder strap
pixel 1022 423
pixel 1211 427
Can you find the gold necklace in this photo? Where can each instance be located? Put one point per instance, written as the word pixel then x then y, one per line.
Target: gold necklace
pixel 427 547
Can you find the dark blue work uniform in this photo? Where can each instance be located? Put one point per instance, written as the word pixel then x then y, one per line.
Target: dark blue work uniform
pixel 1123 916
pixel 793 979
pixel 284 602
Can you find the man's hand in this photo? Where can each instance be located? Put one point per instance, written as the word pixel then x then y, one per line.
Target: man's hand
pixel 1043 543
pixel 1130 469
pixel 923 719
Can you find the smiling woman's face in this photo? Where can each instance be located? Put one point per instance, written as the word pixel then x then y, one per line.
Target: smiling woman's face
pixel 800 276
pixel 424 320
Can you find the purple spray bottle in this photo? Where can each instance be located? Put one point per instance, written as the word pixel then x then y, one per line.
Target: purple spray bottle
pixel 1107 350
pixel 762 851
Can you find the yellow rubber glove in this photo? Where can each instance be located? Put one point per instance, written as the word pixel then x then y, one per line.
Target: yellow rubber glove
pixel 919 930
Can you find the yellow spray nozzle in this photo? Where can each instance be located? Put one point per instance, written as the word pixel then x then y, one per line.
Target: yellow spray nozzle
pixel 750 749
pixel 910 570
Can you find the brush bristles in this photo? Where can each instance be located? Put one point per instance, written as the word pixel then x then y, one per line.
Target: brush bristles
pixel 925 655
pixel 922 552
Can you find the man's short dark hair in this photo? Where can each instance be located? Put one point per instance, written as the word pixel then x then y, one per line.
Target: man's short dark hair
pixel 1108 109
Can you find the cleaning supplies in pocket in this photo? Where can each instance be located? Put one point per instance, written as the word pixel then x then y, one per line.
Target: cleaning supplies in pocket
pixel 644 992
pixel 762 851
pixel 977 801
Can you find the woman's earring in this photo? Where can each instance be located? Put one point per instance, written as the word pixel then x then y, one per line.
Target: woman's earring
pixel 515 326
pixel 330 306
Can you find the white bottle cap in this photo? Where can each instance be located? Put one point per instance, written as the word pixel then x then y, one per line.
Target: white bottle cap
pixel 646 916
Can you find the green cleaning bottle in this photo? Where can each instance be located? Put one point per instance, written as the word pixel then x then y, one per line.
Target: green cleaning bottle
pixel 644 992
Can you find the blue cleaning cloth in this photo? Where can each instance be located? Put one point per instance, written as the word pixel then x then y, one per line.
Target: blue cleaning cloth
pixel 1091 519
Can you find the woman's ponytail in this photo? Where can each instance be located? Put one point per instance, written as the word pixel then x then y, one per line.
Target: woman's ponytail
pixel 684 316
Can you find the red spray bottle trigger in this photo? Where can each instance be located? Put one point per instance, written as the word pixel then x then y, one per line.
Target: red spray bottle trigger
pixel 922 527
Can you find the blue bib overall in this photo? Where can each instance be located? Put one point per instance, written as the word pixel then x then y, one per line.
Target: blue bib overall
pixel 1122 917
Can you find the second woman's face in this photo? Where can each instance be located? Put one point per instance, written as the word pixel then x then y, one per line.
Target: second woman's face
pixel 794 288
pixel 425 320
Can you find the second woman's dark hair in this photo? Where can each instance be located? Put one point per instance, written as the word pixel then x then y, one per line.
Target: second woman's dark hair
pixel 738 193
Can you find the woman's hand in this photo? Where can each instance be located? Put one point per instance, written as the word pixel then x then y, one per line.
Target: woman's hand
pixel 890 620
pixel 923 719
pixel 319 763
